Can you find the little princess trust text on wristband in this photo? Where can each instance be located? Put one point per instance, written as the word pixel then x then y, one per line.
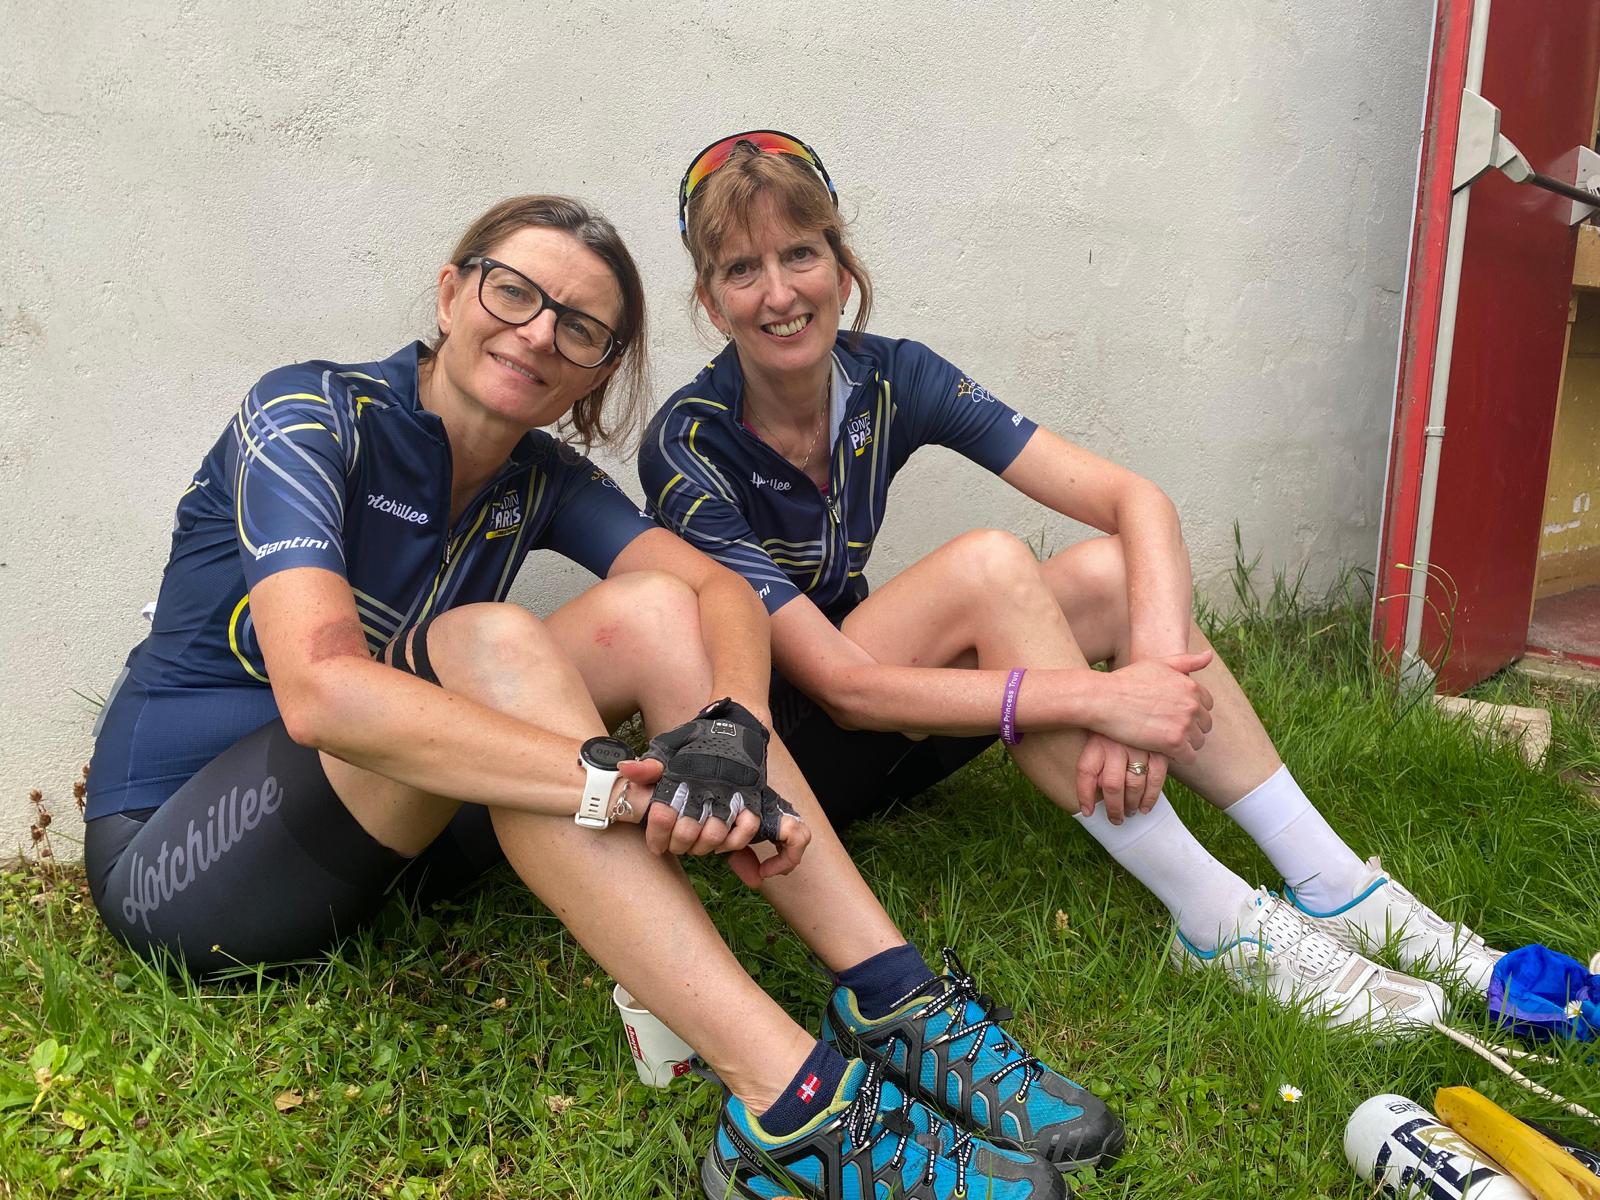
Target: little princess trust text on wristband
pixel 1008 707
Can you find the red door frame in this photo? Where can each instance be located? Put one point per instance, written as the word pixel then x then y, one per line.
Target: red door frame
pixel 1419 339
pixel 1540 63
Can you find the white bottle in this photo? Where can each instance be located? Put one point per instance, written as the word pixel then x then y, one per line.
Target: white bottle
pixel 1404 1149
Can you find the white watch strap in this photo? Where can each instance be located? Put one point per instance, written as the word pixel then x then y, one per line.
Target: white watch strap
pixel 594 810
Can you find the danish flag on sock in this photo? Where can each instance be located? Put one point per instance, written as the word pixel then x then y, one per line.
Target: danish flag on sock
pixel 808 1090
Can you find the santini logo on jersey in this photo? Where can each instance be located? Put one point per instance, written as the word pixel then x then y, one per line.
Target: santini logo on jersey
pixel 777 485
pixel 294 543
pixel 396 508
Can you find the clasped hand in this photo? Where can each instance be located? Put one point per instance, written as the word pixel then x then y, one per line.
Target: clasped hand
pixel 1155 712
pixel 711 795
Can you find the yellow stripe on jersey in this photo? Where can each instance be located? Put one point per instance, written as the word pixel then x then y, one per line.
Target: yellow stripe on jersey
pixel 233 637
pixel 360 375
pixel 661 500
pixel 255 447
pixel 296 396
pixel 452 560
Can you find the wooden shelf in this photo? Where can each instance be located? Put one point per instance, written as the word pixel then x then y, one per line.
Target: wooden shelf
pixel 1586 268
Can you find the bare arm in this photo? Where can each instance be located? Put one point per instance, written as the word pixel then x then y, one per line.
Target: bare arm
pixel 1142 706
pixel 335 698
pixel 733 621
pixel 735 631
pixel 1097 492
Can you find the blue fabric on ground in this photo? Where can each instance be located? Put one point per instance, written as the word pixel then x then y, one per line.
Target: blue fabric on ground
pixel 1543 994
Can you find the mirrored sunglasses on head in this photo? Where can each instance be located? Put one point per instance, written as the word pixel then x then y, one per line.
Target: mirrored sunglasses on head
pixel 715 156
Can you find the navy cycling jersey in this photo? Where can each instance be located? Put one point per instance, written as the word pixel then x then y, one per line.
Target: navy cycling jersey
pixel 335 466
pixel 712 481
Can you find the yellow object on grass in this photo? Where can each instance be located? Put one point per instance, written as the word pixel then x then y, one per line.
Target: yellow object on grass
pixel 1536 1162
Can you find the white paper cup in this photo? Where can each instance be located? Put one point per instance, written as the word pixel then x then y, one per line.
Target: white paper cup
pixel 659 1055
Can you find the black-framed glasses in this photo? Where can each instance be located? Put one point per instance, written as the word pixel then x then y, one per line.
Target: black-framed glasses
pixel 510 296
pixel 715 156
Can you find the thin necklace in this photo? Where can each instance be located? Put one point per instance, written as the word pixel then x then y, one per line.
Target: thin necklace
pixel 822 419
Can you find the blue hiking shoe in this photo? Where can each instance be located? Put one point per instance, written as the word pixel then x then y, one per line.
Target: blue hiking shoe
pixel 944 1044
pixel 872 1140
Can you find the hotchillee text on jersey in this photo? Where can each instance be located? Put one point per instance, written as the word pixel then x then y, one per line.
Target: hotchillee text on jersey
pixel 397 508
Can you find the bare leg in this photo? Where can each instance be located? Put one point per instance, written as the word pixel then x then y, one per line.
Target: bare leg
pixel 1238 769
pixel 979 601
pixel 606 633
pixel 1089 582
pixel 633 911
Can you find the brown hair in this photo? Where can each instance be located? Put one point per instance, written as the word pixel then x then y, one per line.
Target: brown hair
pixel 726 200
pixel 587 419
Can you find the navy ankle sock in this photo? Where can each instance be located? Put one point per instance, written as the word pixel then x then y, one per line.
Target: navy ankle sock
pixel 808 1093
pixel 885 978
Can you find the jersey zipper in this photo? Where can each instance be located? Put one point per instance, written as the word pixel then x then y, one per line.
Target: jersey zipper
pixel 834 536
pixel 462 532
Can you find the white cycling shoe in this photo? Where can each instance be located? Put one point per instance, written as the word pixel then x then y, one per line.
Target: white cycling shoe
pixel 1277 949
pixel 1384 914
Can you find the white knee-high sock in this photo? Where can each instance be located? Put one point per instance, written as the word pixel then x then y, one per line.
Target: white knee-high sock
pixel 1158 850
pixel 1313 859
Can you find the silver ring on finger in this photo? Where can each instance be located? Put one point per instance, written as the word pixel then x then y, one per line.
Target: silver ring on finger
pixel 1138 768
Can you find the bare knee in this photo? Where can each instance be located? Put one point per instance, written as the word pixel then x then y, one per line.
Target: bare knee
pixel 1090 582
pixel 999 569
pixel 1098 570
pixel 478 643
pixel 645 611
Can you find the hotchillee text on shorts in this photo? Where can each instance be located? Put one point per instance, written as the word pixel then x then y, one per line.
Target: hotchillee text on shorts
pixel 151 883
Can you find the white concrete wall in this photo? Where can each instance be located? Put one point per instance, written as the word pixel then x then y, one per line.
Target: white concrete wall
pixel 1174 230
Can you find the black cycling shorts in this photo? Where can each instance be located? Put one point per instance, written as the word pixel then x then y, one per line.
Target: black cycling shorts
pixel 857 773
pixel 256 860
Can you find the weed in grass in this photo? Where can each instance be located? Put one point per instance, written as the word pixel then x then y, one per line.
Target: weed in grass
pixel 473 1051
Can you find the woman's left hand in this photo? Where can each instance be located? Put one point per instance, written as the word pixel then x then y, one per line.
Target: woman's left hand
pixel 1103 770
pixel 665 830
pixel 711 795
pixel 791 842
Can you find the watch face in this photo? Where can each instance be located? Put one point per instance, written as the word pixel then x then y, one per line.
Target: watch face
pixel 605 753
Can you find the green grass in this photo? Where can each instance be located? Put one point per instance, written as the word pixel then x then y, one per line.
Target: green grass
pixel 474 1051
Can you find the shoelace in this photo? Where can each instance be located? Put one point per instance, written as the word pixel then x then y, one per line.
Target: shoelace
pixel 863 1112
pixel 1285 935
pixel 959 985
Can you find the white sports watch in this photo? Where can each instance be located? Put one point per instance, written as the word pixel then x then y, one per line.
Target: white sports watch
pixel 599 757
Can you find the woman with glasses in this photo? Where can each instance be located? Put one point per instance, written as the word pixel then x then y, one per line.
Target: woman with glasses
pixel 334 695
pixel 777 459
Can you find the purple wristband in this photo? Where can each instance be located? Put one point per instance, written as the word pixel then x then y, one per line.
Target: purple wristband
pixel 1008 707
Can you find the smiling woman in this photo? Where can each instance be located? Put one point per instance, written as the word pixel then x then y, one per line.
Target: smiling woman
pixel 335 699
pixel 778 458
pixel 593 331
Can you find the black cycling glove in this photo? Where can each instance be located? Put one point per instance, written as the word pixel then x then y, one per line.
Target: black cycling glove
pixel 774 808
pixel 716 766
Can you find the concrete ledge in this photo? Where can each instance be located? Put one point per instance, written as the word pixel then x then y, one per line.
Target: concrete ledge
pixel 1556 670
pixel 1529 728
